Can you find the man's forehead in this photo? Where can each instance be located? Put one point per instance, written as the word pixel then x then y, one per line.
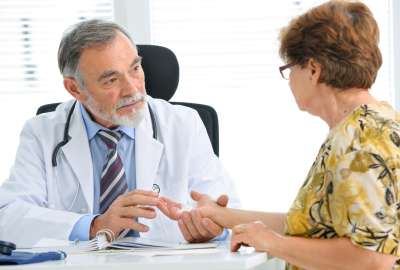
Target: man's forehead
pixel 119 39
pixel 119 47
pixel 123 37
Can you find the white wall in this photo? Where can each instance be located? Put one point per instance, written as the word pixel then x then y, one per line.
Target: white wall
pixel 251 150
pixel 229 59
pixel 134 15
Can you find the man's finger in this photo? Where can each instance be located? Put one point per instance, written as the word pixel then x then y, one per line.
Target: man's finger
pixel 185 232
pixel 138 199
pixel 172 212
pixel 142 192
pixel 163 207
pixel 133 211
pixel 212 227
pixel 129 223
pixel 196 218
pixel 170 202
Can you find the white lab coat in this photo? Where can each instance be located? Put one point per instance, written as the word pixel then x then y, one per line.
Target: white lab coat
pixel 41 201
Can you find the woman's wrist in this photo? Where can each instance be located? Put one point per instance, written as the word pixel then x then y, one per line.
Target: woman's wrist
pixel 277 244
pixel 222 216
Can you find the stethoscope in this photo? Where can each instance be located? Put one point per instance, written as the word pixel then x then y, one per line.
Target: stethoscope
pixel 67 138
pixel 6 248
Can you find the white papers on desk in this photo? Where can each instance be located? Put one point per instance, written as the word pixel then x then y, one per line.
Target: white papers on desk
pixel 128 243
pixel 141 246
pixel 145 246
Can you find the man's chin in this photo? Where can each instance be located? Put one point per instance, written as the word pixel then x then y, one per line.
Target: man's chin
pixel 129 120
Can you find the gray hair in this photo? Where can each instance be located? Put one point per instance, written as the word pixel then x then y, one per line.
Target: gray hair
pixel 86 34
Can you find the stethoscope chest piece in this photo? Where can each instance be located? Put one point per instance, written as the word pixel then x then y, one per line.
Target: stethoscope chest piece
pixel 6 248
pixel 156 188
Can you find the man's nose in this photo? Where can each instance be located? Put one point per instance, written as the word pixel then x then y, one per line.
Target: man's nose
pixel 132 85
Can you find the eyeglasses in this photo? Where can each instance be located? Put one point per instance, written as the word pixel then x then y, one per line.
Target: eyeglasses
pixel 285 71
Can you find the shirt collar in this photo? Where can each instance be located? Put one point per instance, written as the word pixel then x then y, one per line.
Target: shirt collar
pixel 92 127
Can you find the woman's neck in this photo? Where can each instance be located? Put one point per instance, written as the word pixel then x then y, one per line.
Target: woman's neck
pixel 335 104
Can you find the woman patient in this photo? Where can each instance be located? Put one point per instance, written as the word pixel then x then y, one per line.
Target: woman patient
pixel 346 213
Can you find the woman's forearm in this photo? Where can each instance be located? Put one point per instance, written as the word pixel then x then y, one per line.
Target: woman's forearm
pixel 228 218
pixel 310 254
pixel 329 254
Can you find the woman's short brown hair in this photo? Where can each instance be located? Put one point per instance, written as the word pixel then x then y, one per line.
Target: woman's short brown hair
pixel 342 36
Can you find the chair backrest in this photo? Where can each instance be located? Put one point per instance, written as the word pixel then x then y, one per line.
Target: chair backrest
pixel 210 119
pixel 161 71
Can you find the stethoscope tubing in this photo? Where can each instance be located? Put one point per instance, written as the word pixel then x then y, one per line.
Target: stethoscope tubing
pixel 67 138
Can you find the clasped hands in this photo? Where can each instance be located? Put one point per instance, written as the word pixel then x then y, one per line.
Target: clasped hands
pixel 196 225
pixel 124 212
pixel 202 223
pixel 206 221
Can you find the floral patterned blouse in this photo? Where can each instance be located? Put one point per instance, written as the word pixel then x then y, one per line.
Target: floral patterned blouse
pixel 352 188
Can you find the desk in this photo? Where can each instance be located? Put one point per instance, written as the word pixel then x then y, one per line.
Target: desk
pixel 223 259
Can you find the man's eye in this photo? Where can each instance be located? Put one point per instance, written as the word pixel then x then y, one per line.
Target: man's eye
pixel 137 67
pixel 110 81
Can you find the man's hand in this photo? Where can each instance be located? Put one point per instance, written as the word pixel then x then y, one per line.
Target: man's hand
pixel 197 225
pixel 171 209
pixel 124 210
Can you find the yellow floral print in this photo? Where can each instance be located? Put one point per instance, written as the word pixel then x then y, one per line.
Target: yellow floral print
pixel 352 189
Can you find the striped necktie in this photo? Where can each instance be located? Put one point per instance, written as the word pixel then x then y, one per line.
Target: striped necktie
pixel 113 180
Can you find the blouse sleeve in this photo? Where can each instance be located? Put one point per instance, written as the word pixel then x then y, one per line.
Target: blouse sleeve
pixel 363 200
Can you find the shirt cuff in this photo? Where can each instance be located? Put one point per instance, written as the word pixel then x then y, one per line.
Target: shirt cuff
pixel 81 228
pixel 222 237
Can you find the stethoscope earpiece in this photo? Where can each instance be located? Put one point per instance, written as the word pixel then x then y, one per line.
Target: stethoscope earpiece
pixel 6 248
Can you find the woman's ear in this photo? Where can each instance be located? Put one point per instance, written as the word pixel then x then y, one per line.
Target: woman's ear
pixel 72 86
pixel 315 71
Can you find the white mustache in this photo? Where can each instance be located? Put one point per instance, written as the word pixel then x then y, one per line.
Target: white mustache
pixel 130 100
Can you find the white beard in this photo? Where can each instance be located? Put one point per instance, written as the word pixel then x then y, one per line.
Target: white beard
pixel 131 120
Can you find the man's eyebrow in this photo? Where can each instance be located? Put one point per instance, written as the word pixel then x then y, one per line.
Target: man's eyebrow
pixel 110 72
pixel 106 74
pixel 136 60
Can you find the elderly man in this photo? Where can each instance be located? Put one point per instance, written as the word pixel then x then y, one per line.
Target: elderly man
pixel 102 176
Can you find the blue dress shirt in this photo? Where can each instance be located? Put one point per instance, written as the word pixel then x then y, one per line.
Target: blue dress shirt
pixel 126 150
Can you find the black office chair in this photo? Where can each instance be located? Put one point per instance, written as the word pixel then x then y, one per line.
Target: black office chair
pixel 161 69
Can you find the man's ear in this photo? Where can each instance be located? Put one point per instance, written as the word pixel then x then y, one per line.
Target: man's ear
pixel 315 71
pixel 72 86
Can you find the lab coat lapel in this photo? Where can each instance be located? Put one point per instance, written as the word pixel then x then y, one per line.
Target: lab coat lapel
pixel 77 153
pixel 147 154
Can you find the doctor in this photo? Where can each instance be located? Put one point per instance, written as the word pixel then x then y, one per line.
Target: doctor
pixel 105 176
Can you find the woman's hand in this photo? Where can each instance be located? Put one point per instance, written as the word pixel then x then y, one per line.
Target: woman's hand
pixel 205 206
pixel 198 224
pixel 254 234
pixel 208 207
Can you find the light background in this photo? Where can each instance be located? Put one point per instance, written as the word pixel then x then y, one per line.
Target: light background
pixel 228 57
